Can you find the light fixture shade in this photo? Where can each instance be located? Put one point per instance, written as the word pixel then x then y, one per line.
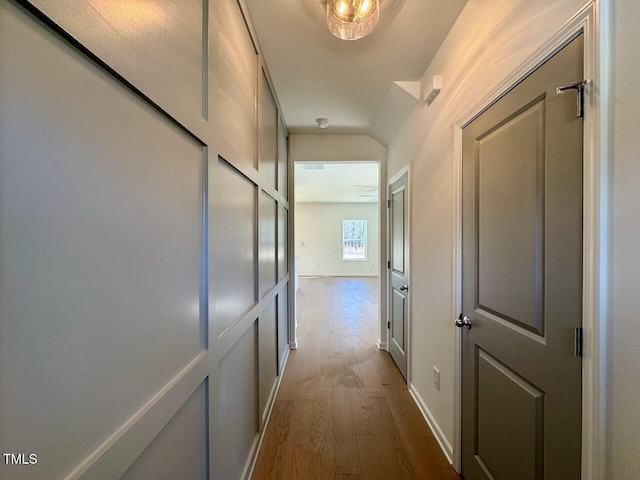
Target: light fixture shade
pixel 352 19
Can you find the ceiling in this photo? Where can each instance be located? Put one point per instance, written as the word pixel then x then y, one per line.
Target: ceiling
pixel 336 182
pixel 318 75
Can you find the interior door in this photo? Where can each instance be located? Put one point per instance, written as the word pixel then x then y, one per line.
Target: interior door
pixel 398 276
pixel 522 280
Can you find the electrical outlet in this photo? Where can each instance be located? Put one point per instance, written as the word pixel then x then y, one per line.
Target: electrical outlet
pixel 436 378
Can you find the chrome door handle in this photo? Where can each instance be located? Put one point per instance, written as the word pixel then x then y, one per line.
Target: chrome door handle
pixel 463 321
pixel 404 288
pixel 579 87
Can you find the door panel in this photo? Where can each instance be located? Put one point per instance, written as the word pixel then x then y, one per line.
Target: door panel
pixel 398 281
pixel 522 269
pixel 510 174
pixel 397 203
pixel 397 327
pixel 508 445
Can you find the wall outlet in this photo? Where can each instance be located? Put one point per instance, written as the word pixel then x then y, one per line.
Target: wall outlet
pixel 436 378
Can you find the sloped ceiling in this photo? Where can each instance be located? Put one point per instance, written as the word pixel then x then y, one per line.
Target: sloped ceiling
pixel 350 83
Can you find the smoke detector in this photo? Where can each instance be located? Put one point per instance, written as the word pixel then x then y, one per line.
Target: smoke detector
pixel 322 122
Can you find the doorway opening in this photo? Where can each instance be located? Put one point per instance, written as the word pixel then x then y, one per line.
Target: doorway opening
pixel 337 226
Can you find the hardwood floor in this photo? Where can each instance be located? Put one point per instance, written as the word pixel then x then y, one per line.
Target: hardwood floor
pixel 343 410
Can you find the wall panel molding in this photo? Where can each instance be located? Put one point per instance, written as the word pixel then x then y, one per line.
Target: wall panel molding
pixel 169 57
pixel 165 63
pixel 121 449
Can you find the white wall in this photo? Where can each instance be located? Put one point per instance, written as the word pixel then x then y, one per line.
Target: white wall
pixel 319 238
pixel 336 148
pixel 488 42
pixel 624 461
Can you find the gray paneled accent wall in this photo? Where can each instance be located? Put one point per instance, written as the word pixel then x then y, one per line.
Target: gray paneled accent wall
pixel 144 272
pixel 268 229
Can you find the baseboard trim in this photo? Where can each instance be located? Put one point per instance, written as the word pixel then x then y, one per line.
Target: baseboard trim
pixel 445 446
pixel 257 445
pixel 381 345
pixel 283 362
pixel 317 275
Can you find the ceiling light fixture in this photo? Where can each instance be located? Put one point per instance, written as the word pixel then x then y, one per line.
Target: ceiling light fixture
pixel 352 19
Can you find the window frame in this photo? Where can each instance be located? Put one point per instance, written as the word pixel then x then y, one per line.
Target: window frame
pixel 364 240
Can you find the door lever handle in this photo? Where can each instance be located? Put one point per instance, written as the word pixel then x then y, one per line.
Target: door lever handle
pixel 463 321
pixel 579 87
pixel 404 288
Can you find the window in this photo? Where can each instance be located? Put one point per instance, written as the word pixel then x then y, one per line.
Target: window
pixel 354 240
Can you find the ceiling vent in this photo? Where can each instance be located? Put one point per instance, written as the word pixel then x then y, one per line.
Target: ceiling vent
pixel 322 122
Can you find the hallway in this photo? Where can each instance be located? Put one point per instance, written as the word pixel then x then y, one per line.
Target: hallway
pixel 343 410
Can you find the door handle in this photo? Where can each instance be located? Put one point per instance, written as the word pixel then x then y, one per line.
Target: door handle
pixel 404 288
pixel 463 321
pixel 579 87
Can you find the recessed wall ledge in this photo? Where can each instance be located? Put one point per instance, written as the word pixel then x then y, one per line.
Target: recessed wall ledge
pixel 413 88
pixel 401 98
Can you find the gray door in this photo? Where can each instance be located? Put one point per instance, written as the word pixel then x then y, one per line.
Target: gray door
pixel 398 278
pixel 522 280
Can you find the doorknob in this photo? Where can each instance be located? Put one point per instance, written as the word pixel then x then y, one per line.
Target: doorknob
pixel 404 288
pixel 463 321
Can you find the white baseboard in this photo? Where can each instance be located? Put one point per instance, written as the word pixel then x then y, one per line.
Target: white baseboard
pixel 257 444
pixel 316 275
pixel 285 359
pixel 446 447
pixel 381 345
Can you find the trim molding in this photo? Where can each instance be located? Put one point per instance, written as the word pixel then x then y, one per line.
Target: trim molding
pixel 316 275
pixel 257 445
pixel 446 447
pixel 589 21
pixel 402 171
pixel 381 345
pixel 123 447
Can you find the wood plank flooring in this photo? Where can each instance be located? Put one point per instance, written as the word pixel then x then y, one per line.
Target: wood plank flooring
pixel 343 411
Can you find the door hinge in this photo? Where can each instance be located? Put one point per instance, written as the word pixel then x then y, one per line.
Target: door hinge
pixel 579 342
pixel 388 325
pixel 388 203
pixel 579 88
pixel 388 263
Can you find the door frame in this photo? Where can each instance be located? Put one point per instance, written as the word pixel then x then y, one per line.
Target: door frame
pixel 406 169
pixel 591 21
pixel 382 246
